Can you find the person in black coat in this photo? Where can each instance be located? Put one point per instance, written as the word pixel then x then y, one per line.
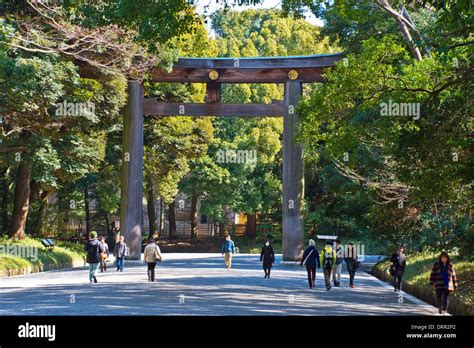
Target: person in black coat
pixel 311 261
pixel 399 262
pixel 268 257
pixel 351 262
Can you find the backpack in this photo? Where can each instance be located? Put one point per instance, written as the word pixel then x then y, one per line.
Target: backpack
pixel 328 260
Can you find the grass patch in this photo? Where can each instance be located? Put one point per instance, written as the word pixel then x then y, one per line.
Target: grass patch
pixel 418 270
pixel 64 253
pixel 248 245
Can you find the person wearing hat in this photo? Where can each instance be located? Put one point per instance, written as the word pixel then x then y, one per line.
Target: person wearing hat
pixel 94 249
pixel 311 259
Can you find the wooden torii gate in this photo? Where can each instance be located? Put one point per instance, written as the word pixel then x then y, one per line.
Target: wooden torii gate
pixel 292 71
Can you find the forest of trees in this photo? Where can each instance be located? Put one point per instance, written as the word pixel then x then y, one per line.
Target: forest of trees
pixel 368 176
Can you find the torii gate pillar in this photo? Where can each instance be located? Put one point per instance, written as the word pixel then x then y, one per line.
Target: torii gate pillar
pixel 132 171
pixel 293 176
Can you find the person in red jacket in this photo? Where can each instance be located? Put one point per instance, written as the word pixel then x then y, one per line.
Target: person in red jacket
pixel 444 280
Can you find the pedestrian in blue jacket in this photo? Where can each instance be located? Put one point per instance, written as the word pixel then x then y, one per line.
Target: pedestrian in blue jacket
pixel 228 249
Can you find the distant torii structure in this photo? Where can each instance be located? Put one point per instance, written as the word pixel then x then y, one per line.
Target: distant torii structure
pixel 292 71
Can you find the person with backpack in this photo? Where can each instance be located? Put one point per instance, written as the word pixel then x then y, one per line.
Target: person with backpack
pixel 104 255
pixel 337 269
pixel 328 260
pixel 93 250
pixel 152 255
pixel 444 280
pixel 399 262
pixel 311 260
pixel 350 258
pixel 228 250
pixel 268 257
pixel 120 251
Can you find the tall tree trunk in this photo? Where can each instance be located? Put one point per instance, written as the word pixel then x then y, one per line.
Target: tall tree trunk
pixel 87 210
pixel 404 22
pixel 151 209
pixel 251 228
pixel 31 228
pixel 172 220
pixel 224 225
pixel 160 223
pixel 226 220
pixel 409 40
pixel 42 210
pixel 194 218
pixel 6 170
pixel 22 202
pixel 107 224
pixel 221 229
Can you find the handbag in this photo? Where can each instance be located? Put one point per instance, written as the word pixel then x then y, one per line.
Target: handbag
pixel 391 270
pixel 103 255
pixel 157 256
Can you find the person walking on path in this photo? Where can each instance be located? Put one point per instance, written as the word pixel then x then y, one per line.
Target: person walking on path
pixel 93 250
pixel 328 259
pixel 337 269
pixel 444 280
pixel 104 255
pixel 268 257
pixel 311 260
pixel 152 255
pixel 350 258
pixel 120 251
pixel 228 250
pixel 399 262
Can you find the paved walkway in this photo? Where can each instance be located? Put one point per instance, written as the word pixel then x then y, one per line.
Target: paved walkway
pixel 190 284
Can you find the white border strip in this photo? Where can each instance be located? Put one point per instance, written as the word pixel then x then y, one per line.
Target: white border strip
pixel 412 298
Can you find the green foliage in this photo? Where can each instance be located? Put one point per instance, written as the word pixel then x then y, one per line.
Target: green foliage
pixel 63 254
pixel 397 179
pixel 254 188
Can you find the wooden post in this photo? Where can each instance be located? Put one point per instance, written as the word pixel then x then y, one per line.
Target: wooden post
pixel 293 177
pixel 132 171
pixel 213 92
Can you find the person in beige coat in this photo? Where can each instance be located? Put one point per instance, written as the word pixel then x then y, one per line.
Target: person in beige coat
pixel 152 255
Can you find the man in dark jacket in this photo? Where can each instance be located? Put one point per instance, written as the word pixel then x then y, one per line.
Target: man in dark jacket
pixel 311 260
pixel 399 262
pixel 93 249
